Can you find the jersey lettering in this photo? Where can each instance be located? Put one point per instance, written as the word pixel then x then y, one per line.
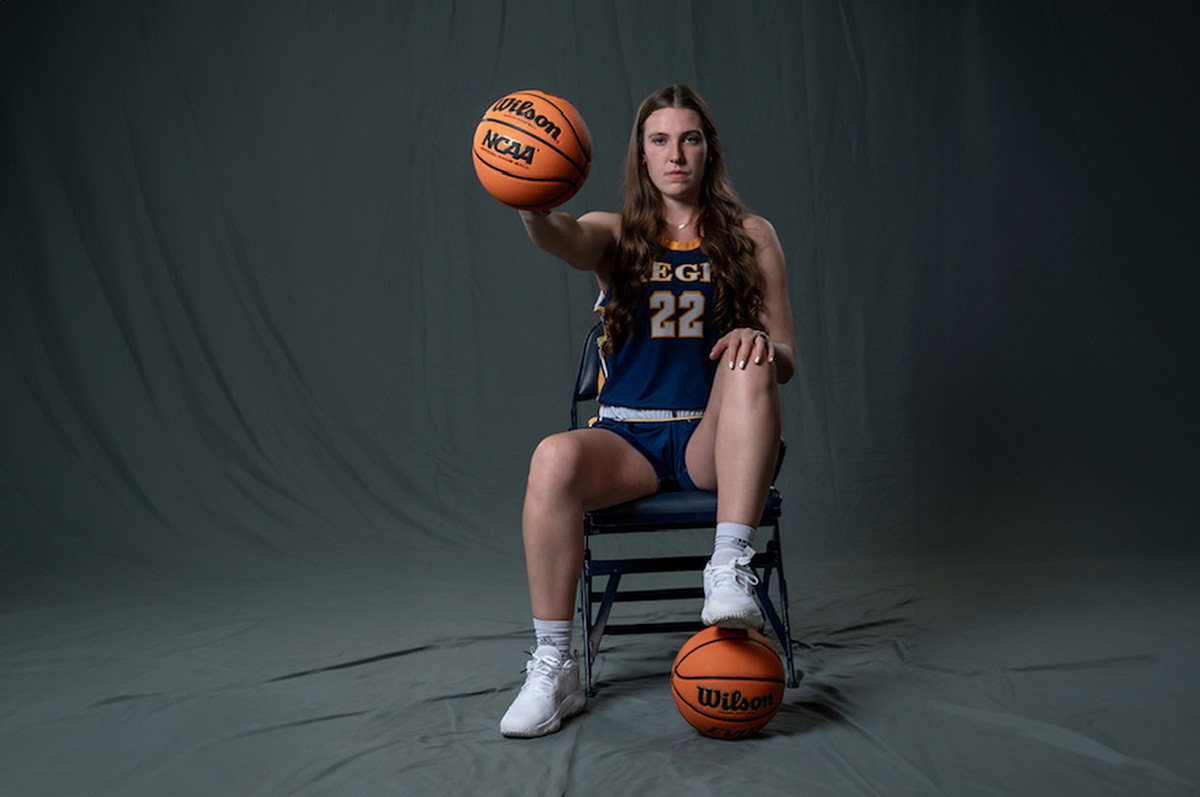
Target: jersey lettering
pixel 691 322
pixel 694 272
pixel 686 272
pixel 664 305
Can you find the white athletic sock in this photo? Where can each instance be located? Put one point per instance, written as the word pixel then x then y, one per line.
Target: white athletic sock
pixel 556 633
pixel 731 541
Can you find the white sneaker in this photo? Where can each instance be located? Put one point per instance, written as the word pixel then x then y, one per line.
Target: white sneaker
pixel 729 594
pixel 551 693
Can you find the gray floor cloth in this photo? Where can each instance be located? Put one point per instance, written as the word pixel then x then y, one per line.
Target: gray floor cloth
pixel 933 678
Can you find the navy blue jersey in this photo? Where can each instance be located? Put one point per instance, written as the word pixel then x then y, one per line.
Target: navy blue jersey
pixel 664 364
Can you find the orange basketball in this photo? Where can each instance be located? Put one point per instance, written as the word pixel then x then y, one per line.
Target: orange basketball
pixel 532 150
pixel 727 682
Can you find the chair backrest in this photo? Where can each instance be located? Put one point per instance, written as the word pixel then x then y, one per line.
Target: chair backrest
pixel 587 381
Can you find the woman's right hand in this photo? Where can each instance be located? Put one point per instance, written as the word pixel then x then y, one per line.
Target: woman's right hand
pixel 743 346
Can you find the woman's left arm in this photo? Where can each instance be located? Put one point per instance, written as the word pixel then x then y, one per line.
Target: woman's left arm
pixel 776 317
pixel 775 340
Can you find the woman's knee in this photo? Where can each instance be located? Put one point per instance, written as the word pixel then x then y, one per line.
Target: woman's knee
pixel 556 465
pixel 750 382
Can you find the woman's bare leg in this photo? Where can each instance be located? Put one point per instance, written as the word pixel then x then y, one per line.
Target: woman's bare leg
pixel 733 451
pixel 735 447
pixel 572 472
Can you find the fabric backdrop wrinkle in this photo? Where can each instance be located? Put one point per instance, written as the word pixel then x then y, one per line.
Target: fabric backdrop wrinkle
pixel 250 280
pixel 272 366
pixel 236 243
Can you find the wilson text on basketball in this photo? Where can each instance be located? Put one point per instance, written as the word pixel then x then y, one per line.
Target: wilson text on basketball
pixel 732 701
pixel 525 110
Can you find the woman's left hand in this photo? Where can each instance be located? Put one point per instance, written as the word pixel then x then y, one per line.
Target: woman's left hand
pixel 743 347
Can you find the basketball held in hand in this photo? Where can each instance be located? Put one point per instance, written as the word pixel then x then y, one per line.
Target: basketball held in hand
pixel 727 682
pixel 532 150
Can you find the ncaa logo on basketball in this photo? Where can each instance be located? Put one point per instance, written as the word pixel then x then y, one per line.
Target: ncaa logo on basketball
pixel 524 109
pixel 507 146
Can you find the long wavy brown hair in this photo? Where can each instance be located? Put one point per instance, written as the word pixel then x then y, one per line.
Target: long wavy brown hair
pixel 726 242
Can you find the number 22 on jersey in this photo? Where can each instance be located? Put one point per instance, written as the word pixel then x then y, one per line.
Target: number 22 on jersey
pixel 677 316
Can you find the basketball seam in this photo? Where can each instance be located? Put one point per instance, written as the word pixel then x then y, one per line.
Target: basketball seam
pixel 565 156
pixel 561 196
pixel 520 177
pixel 726 639
pixel 726 678
pixel 543 95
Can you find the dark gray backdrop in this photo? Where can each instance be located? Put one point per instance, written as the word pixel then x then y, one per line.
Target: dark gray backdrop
pixel 253 295
pixel 256 311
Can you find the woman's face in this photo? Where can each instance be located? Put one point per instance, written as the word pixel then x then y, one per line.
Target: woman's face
pixel 675 152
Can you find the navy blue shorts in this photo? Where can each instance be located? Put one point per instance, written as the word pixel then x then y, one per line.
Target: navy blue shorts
pixel 663 444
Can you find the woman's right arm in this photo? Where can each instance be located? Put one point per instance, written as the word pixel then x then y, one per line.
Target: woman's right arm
pixel 587 243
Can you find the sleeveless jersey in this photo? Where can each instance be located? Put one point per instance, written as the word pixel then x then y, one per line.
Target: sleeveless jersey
pixel 664 364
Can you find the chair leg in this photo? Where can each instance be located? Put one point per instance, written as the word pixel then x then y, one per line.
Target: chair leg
pixel 766 576
pixel 593 628
pixel 786 640
pixel 585 611
pixel 773 620
pixel 606 604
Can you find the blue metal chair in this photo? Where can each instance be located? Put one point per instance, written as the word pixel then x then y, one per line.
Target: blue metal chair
pixel 663 512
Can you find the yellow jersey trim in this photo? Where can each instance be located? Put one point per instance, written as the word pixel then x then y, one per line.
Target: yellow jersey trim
pixel 681 246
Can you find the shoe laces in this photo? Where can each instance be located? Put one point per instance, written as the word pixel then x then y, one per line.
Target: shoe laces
pixel 736 570
pixel 541 674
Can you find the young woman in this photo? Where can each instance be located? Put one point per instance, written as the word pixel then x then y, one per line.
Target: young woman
pixel 698 334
